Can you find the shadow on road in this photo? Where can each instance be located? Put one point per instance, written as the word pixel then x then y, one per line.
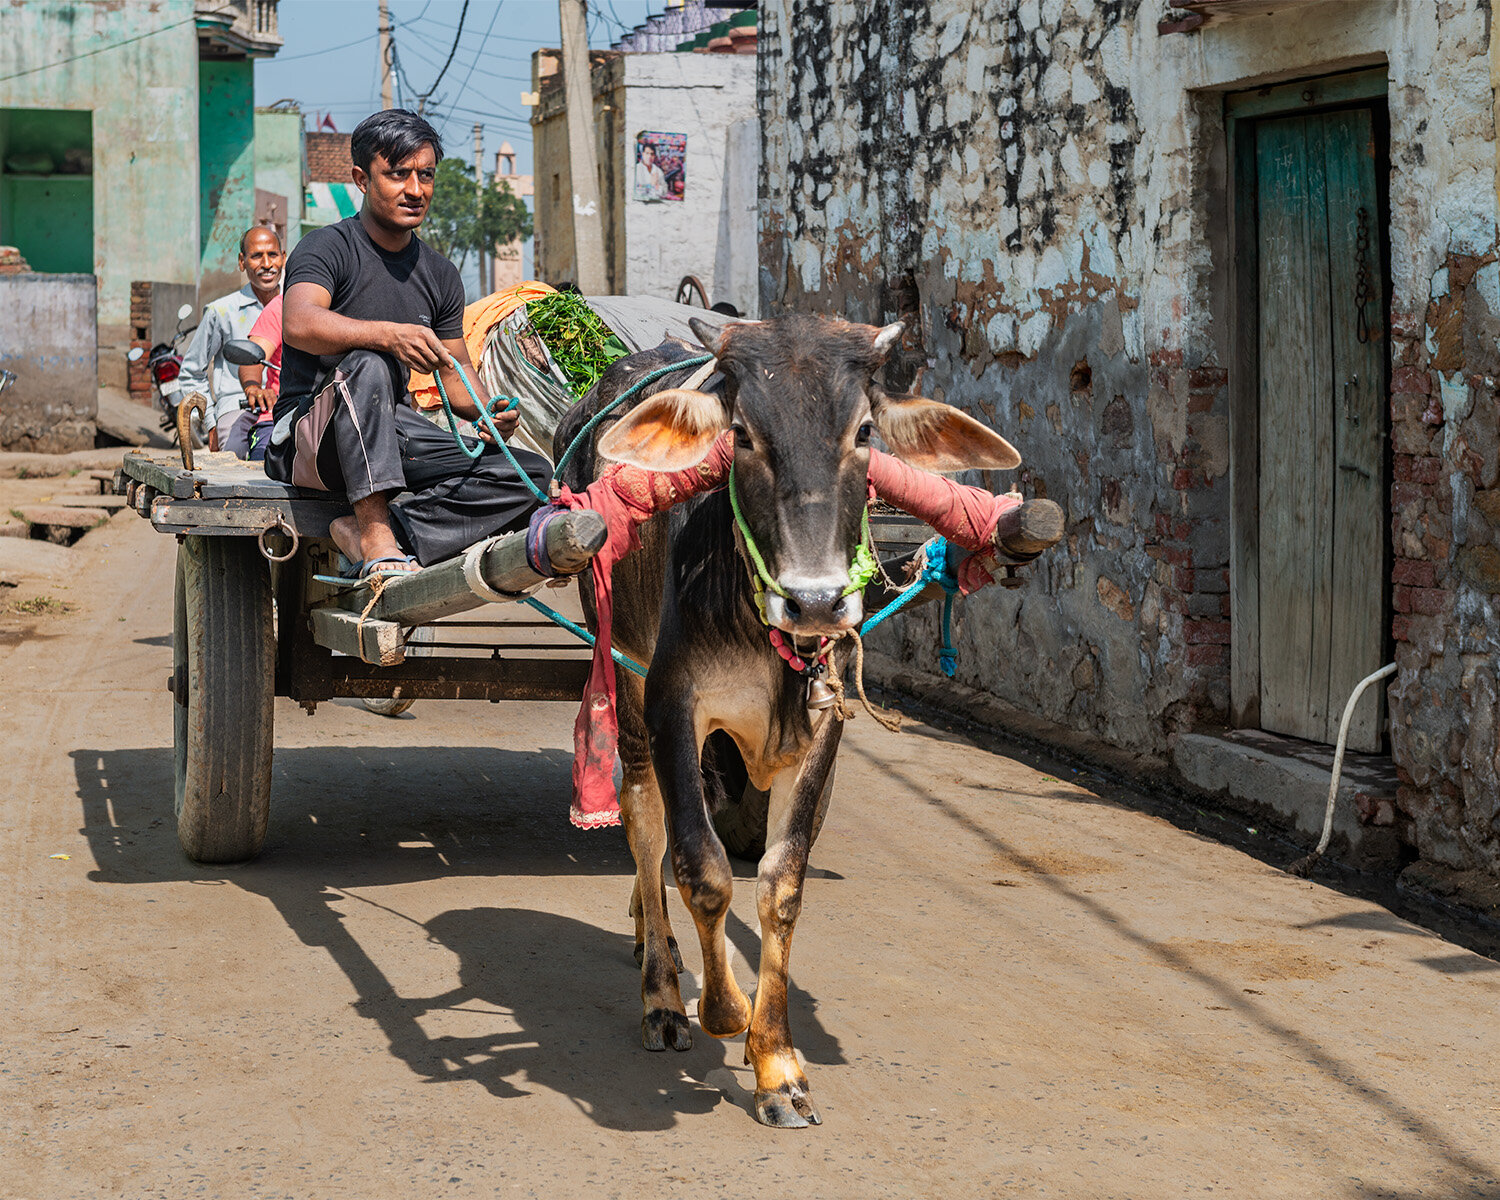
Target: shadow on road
pixel 349 818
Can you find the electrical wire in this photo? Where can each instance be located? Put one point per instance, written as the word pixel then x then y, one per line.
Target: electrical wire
pixel 326 49
pixel 462 13
pixel 476 69
pixel 480 52
pixel 62 62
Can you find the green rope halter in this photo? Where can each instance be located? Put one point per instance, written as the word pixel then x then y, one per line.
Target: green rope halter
pixel 862 568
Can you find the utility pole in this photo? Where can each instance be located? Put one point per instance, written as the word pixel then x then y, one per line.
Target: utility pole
pixel 583 162
pixel 479 197
pixel 385 54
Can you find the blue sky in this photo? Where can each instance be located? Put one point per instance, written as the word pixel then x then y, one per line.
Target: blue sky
pixel 330 62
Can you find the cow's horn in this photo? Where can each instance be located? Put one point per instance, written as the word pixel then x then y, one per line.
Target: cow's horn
pixel 707 334
pixel 889 338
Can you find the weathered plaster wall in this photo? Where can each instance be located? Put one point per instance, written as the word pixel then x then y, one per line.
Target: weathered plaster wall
pixel 699 95
pixel 143 96
pixel 278 162
pixel 1039 188
pixel 226 167
pixel 48 344
pixel 649 247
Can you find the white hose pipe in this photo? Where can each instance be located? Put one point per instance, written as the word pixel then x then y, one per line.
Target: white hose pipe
pixel 1304 866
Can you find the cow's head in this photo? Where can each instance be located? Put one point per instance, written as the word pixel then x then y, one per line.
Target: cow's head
pixel 801 398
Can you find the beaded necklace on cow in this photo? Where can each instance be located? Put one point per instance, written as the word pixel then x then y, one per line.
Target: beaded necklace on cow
pixel 862 569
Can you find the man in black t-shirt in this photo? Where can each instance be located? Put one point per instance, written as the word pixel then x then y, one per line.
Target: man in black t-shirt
pixel 367 302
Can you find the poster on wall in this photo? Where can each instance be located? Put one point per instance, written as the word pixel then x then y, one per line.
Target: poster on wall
pixel 660 166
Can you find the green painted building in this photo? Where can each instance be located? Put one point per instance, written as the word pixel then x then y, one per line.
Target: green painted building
pixel 127 142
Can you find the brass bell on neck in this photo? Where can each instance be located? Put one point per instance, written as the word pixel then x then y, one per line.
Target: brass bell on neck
pixel 819 695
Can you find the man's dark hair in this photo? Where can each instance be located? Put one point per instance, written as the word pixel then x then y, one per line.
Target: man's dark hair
pixel 245 237
pixel 394 134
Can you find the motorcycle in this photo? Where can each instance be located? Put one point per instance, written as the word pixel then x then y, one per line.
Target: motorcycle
pixel 164 361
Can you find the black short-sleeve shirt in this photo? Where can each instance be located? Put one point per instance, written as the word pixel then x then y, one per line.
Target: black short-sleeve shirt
pixel 415 286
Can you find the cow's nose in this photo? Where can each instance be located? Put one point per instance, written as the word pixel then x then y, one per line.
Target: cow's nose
pixel 814 610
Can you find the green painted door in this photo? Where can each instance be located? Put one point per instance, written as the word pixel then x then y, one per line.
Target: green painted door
pixel 1322 350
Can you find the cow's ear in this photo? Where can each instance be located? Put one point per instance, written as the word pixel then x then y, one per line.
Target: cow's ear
pixel 669 431
pixel 937 437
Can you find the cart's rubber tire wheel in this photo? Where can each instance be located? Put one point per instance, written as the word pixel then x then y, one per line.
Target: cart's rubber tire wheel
pixel 741 822
pixel 416 647
pixel 224 672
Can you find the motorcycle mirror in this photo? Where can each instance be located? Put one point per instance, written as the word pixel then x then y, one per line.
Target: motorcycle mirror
pixel 242 352
pixel 184 312
pixel 136 354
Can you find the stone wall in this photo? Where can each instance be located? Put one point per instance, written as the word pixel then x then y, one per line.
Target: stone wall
pixel 1040 189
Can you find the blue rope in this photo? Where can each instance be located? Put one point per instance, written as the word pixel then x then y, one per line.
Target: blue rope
pixel 484 416
pixel 620 399
pixel 478 449
pixel 939 567
pixel 578 630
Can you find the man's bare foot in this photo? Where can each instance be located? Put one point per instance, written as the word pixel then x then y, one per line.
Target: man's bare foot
pixel 360 544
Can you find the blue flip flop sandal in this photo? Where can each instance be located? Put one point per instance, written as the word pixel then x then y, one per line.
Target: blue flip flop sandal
pixel 371 568
pixel 352 574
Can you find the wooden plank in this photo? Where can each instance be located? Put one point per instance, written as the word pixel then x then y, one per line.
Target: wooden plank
pixel 1244 437
pixel 167 476
pixel 217 476
pixel 1358 567
pixel 434 678
pixel 1368 83
pixel 367 639
pixel 1295 426
pixel 310 518
pixel 441 590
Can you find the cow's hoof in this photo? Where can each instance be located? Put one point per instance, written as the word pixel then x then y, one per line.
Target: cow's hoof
pixel 640 954
pixel 785 1109
pixel 661 1027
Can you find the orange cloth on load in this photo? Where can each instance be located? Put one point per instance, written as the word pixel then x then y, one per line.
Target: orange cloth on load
pixel 479 318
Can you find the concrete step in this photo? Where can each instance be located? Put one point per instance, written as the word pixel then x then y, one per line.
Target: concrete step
pixel 108 503
pixel 69 516
pixel 1285 780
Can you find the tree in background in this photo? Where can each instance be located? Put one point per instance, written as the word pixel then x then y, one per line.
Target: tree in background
pixel 456 225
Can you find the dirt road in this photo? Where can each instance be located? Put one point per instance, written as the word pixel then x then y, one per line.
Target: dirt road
pixel 1004 985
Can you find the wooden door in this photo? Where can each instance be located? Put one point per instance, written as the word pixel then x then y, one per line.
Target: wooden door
pixel 1322 510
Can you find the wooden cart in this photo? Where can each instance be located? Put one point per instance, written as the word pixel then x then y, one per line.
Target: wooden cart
pixel 252 622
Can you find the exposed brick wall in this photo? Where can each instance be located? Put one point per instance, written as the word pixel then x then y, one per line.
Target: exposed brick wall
pixel 138 377
pixel 1445 577
pixel 328 158
pixel 1192 537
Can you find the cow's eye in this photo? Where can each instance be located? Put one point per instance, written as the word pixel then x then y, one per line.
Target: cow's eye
pixel 741 438
pixel 866 432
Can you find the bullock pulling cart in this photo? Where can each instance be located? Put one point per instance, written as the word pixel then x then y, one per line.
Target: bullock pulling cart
pixel 258 611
